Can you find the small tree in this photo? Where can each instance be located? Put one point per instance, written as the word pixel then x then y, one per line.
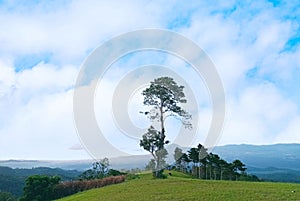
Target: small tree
pixel 223 164
pixel 238 167
pixel 193 154
pixel 165 96
pixel 214 163
pixel 99 170
pixel 151 142
pixel 177 157
pixel 39 188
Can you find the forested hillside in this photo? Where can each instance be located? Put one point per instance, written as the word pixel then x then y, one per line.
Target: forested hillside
pixel 12 180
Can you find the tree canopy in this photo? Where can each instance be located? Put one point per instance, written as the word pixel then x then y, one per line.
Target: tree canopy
pixel 39 188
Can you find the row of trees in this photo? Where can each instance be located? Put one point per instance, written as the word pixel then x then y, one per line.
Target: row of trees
pixel 201 164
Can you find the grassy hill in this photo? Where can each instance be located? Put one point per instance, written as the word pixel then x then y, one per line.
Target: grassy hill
pixel 181 187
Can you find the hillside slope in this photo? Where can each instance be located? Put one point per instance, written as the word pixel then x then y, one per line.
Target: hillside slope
pixel 178 188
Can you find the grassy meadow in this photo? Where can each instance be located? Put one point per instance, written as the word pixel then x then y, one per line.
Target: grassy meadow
pixel 180 187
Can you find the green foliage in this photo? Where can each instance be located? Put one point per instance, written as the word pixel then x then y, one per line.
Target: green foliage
pixel 164 93
pixel 152 141
pixel 6 196
pixel 12 183
pixel 238 166
pixel 187 189
pixel 112 172
pixel 131 176
pixel 193 154
pixel 39 188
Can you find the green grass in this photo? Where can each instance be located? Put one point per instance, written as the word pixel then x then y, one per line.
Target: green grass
pixel 180 187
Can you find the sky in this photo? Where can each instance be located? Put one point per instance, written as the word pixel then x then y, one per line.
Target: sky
pixel 254 45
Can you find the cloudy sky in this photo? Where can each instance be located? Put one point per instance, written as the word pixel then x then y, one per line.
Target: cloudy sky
pixel 254 45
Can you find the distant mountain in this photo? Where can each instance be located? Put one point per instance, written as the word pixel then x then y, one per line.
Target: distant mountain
pixel 278 162
pixel 63 164
pixel 127 162
pixel 276 174
pixel 284 156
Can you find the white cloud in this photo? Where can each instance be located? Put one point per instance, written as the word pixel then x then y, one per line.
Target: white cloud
pixel 7 77
pixel 291 133
pixel 72 30
pixel 238 36
pixel 38 120
pixel 41 129
pixel 258 115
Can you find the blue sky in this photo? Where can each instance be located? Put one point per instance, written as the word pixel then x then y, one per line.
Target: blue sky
pixel 255 46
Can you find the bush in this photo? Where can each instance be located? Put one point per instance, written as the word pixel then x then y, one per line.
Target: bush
pixel 113 172
pixel 71 187
pixel 131 176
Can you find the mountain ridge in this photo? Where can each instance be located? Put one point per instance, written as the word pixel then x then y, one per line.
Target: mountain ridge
pixel 281 155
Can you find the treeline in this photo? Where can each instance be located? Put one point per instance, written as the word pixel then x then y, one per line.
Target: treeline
pixel 13 180
pixel 45 188
pixel 201 164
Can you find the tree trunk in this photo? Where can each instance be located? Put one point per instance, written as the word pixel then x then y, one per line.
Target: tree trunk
pixel 221 174
pixel 162 122
pixel 206 171
pixel 158 171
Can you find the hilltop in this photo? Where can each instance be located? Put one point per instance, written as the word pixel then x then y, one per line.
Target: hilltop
pixel 182 187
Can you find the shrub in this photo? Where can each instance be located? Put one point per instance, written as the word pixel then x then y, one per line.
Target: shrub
pixel 131 176
pixel 71 187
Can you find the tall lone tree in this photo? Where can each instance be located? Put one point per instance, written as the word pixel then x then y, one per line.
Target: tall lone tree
pixel 165 96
